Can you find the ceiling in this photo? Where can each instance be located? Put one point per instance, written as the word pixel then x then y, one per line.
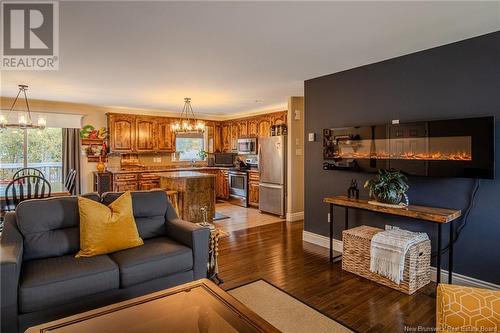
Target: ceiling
pixel 233 57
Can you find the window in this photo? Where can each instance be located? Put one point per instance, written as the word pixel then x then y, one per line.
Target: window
pixel 189 146
pixel 41 149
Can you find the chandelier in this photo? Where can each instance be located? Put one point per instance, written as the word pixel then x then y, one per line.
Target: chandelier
pixel 24 120
pixel 187 122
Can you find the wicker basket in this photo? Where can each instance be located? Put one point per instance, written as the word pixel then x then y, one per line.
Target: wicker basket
pixel 356 259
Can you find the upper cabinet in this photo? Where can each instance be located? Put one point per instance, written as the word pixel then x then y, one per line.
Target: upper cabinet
pixel 121 132
pixel 145 128
pixel 213 136
pixel 165 137
pixel 264 127
pixel 253 127
pixel 142 134
pixel 235 134
pixel 278 118
pixel 242 128
pixel 226 136
pixel 217 138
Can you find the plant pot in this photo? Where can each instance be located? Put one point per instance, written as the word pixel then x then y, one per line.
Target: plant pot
pixel 393 199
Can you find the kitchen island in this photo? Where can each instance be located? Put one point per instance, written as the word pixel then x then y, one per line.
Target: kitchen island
pixel 195 190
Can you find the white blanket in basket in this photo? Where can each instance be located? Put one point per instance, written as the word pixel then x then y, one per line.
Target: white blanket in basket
pixel 388 249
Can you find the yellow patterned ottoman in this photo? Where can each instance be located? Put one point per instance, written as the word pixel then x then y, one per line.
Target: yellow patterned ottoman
pixel 465 309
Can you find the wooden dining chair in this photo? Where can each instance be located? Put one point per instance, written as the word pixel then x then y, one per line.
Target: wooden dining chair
pixel 24 188
pixel 69 182
pixel 28 172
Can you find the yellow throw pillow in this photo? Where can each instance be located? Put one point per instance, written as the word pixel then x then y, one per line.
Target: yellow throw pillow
pixel 105 229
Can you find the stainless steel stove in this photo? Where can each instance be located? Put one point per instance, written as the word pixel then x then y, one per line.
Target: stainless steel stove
pixel 238 187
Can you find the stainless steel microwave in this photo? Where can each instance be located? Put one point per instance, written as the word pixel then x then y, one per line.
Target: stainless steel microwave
pixel 224 159
pixel 247 146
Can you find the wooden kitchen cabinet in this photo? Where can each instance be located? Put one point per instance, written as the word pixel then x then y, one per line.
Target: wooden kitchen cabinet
pixel 135 133
pixel 145 131
pixel 217 138
pixel 226 136
pixel 125 182
pixel 223 182
pixel 148 181
pixel 213 134
pixel 209 131
pixel 121 132
pixel 242 128
pixel 235 134
pixel 253 189
pixel 165 137
pixel 278 118
pixel 264 127
pixel 253 128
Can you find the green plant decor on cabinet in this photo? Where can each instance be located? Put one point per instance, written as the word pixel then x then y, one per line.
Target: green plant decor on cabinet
pixel 389 186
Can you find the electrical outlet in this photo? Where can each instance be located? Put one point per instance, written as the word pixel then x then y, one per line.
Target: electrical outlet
pixel 329 218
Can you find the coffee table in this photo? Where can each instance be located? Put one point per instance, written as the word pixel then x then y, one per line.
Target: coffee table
pixel 199 306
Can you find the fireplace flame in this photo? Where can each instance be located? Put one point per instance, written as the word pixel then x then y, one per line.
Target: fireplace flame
pixel 434 156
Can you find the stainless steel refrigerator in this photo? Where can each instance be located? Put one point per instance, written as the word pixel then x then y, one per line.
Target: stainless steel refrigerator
pixel 272 170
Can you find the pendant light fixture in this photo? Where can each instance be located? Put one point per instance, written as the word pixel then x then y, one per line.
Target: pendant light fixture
pixel 24 120
pixel 188 122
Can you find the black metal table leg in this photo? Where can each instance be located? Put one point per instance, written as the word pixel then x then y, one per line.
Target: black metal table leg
pixel 332 257
pixel 346 221
pixel 438 268
pixel 331 232
pixel 450 258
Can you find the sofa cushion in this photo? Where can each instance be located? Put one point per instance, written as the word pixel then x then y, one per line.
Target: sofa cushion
pixel 158 257
pixel 50 227
pixel 106 229
pixel 55 281
pixel 149 209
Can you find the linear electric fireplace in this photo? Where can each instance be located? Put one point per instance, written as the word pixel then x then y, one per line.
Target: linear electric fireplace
pixel 443 148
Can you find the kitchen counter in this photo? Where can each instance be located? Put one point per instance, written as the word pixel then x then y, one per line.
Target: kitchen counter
pixel 166 169
pixel 195 191
pixel 183 174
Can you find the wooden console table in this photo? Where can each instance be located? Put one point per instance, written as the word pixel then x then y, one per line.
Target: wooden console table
pixel 435 215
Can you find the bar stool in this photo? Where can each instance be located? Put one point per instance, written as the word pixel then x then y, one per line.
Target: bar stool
pixel 173 196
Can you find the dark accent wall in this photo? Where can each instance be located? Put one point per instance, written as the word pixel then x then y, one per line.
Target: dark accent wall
pixel 452 81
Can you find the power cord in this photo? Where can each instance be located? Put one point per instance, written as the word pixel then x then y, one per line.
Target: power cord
pixel 463 222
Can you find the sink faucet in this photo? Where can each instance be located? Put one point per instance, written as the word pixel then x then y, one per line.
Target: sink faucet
pixel 193 162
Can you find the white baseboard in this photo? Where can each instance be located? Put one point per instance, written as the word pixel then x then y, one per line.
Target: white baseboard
pixel 321 240
pixel 292 217
pixel 458 279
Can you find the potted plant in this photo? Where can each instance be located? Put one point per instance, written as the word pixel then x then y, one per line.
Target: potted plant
pixel 202 154
pixel 389 186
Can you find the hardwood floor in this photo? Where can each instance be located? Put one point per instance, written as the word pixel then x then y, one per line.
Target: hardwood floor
pixel 275 252
pixel 242 218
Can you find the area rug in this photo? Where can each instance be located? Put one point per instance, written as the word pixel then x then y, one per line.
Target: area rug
pixel 283 311
pixel 218 216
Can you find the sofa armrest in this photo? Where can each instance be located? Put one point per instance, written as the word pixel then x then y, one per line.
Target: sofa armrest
pixel 11 257
pixel 194 236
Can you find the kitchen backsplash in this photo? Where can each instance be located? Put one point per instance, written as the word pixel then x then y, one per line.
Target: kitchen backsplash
pixel 147 160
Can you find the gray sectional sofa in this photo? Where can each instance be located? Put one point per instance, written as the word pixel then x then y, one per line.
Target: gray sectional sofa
pixel 41 280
